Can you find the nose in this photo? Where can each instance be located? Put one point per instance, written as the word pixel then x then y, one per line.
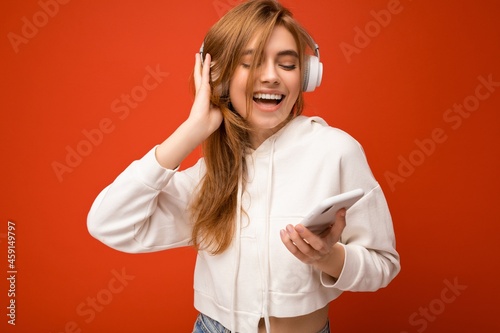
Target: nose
pixel 268 73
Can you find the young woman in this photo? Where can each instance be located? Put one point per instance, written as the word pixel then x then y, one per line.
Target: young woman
pixel 264 168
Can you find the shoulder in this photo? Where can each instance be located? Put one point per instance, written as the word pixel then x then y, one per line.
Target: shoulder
pixel 317 131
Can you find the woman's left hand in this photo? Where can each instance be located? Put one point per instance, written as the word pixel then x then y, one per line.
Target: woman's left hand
pixel 321 251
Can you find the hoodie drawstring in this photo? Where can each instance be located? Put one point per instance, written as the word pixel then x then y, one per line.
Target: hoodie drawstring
pixel 237 248
pixel 267 267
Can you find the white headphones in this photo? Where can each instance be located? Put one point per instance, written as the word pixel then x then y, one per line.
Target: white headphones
pixel 313 69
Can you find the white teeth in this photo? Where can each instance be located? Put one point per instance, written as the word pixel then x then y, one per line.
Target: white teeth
pixel 268 96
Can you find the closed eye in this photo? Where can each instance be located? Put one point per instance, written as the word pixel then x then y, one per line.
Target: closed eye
pixel 288 67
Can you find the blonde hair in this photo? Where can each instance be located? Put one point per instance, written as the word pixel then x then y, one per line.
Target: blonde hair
pixel 214 205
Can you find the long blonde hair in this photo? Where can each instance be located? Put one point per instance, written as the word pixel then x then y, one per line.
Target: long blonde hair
pixel 214 205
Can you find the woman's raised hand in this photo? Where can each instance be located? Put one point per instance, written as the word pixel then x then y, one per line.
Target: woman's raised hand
pixel 203 112
pixel 203 120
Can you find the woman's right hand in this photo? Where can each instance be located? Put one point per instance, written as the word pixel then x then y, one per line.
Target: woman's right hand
pixel 206 116
pixel 203 120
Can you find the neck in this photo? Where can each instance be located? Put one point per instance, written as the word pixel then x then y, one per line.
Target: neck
pixel 259 136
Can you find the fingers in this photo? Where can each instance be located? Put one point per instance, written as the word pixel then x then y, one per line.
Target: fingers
pixel 303 244
pixel 201 72
pixel 340 223
pixel 287 239
pixel 307 246
pixel 315 243
pixel 196 71
pixel 206 68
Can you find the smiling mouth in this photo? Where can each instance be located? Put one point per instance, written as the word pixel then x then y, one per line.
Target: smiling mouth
pixel 268 99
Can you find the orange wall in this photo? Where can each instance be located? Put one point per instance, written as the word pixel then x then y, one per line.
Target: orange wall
pixel 416 82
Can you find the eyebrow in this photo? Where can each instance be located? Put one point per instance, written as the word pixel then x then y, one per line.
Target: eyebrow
pixel 292 53
pixel 288 53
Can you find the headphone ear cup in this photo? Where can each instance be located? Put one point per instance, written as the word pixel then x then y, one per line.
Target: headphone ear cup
pixel 313 73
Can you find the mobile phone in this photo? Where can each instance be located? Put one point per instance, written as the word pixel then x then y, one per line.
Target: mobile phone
pixel 322 216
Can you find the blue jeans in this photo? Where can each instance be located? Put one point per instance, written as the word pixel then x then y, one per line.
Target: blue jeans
pixel 205 324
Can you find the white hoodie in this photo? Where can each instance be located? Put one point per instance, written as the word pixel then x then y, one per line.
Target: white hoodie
pixel 145 210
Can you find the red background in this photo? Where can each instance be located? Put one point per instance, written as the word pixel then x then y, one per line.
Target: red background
pixel 391 94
